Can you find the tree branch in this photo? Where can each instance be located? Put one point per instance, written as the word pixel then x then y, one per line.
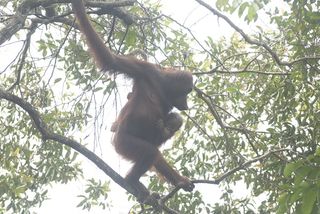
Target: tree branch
pixel 23 55
pixel 100 4
pixel 240 167
pixel 255 42
pixel 216 115
pixel 241 72
pixel 24 9
pixel 47 134
pixel 229 173
pixel 226 174
pixel 12 27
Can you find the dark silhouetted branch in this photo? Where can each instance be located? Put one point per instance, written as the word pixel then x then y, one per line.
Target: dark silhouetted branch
pixel 47 134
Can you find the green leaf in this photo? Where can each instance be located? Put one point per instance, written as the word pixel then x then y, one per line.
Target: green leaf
pixel 252 14
pixel 290 168
pixel 131 38
pixel 221 4
pixel 97 89
pixel 57 80
pixel 301 173
pixel 296 195
pixel 242 8
pixel 308 199
pixel 282 200
pixel 20 189
pixel 313 17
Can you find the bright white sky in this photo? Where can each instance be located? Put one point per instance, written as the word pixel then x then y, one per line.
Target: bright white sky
pixel 63 197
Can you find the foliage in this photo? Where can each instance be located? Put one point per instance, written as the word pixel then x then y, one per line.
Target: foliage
pixel 246 104
pixel 302 187
pixel 96 195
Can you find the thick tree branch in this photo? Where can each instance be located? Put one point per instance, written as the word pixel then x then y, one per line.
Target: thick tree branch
pixel 47 134
pixel 255 42
pixel 12 27
pixel 66 21
pixel 30 4
pixel 27 6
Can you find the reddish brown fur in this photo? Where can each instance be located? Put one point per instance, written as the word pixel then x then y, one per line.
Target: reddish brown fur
pixel 144 122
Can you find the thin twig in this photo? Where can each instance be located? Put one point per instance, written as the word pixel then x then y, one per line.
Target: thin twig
pixel 23 55
pixel 226 174
pixel 240 167
pixel 216 115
